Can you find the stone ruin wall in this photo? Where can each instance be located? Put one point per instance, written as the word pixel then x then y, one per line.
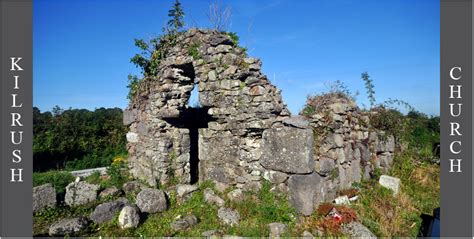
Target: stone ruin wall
pixel 243 133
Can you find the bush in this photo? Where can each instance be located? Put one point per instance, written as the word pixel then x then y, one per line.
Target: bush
pixel 117 177
pixel 59 180
pixel 193 50
pixel 234 37
pixel 391 121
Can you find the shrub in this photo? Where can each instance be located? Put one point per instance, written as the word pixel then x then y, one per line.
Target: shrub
pixel 326 224
pixel 318 102
pixel 369 87
pixel 234 37
pixel 193 50
pixel 153 52
pixel 117 178
pixel 133 86
pixel 391 121
pixel 324 208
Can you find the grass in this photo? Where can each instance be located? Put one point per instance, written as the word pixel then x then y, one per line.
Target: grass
pixel 387 215
pixel 44 219
pixel 193 50
pixel 255 212
pixel 376 207
pixel 58 179
pixel 260 209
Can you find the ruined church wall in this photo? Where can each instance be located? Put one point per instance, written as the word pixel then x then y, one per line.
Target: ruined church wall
pixel 239 99
pixel 242 134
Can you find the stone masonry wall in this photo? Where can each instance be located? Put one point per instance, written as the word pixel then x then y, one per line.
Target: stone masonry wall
pixel 345 151
pixel 239 100
pixel 243 134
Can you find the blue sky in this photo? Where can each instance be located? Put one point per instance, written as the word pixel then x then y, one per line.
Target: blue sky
pixel 82 49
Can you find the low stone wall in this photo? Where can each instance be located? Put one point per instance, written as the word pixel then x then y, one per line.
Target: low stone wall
pixel 325 152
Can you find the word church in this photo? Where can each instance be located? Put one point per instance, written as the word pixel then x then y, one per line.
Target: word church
pixel 455 147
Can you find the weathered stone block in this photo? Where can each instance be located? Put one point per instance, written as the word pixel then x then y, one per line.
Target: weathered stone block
pixel 106 211
pixel 152 201
pixel 129 116
pixel 302 190
pixel 216 40
pixel 357 230
pixel 297 121
pixel 385 144
pixel 275 177
pixel 276 229
pixel 185 223
pixel 79 193
pixel 228 216
pixel 391 183
pixel 211 197
pixel 385 159
pixel 185 190
pixel 70 226
pixel 349 173
pixel 324 166
pixel 129 217
pixel 288 150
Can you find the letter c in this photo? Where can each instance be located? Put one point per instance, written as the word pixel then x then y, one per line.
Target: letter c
pixel 451 148
pixel 451 73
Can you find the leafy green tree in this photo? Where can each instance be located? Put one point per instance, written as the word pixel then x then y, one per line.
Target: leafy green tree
pixel 156 49
pixel 176 14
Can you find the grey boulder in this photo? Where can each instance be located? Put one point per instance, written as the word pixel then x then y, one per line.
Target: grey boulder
pixel 184 223
pixel 129 217
pixel 133 187
pixel 185 190
pixel 70 226
pixel 106 211
pixel 228 216
pixel 357 230
pixel 43 196
pixel 152 201
pixel 110 192
pixel 211 197
pixel 276 229
pixel 79 193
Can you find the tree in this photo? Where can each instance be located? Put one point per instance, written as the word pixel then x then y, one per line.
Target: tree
pixel 157 48
pixel 369 86
pixel 176 14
